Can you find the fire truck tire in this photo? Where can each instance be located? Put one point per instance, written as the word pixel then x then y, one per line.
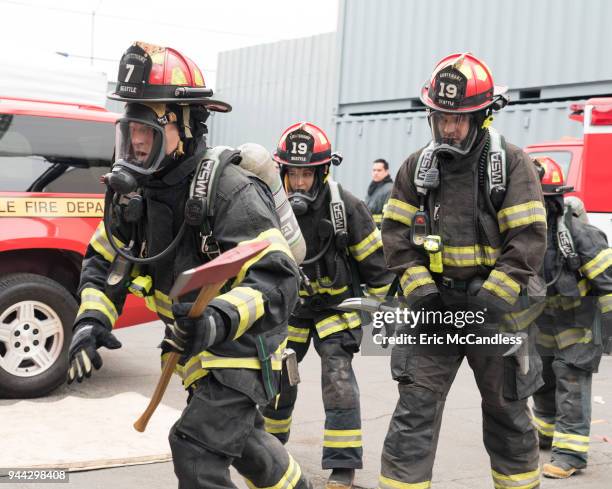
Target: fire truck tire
pixel 36 316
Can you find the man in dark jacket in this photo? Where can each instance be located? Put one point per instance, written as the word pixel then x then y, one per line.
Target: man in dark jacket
pixel 160 148
pixel 344 250
pixel 573 328
pixel 465 223
pixel 379 190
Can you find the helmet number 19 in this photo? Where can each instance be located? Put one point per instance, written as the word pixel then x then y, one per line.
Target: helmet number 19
pixel 448 90
pixel 299 148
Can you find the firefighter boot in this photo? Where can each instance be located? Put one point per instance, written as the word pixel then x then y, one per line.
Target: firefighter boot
pixel 559 469
pixel 341 479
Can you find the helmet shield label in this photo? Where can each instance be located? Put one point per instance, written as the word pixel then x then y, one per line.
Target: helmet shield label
pixel 300 145
pixel 134 69
pixel 449 88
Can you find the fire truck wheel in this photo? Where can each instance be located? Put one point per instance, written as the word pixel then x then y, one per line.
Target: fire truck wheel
pixel 36 316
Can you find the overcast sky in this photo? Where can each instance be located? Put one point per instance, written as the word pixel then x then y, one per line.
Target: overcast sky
pixel 199 29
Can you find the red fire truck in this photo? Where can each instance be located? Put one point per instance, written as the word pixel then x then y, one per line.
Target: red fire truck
pixel 52 156
pixel 587 161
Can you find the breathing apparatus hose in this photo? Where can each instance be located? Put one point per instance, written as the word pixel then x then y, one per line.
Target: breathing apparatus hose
pixel 107 229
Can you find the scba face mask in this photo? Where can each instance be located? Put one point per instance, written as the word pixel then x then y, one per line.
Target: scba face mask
pixel 454 135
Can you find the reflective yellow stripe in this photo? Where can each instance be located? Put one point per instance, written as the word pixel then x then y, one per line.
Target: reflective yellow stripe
pixel 249 304
pixel 543 427
pixel 546 340
pixel 342 438
pixel 526 480
pixel 377 218
pixel 517 321
pixel 289 479
pixel 321 287
pixel 605 303
pixel 99 242
pixel 94 299
pixel 399 211
pixel 337 322
pixel 190 372
pixel 298 335
pixel 379 291
pixel 210 360
pixel 386 483
pixel 521 215
pixel 469 256
pixel 598 264
pixel 277 425
pixel 583 287
pixel 163 304
pixel 277 243
pixel 367 246
pixel 503 286
pixel 572 336
pixel 415 277
pixel 577 443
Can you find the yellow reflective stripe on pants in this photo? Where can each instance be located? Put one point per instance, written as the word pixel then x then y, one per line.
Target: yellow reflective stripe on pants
pixel 546 340
pixel 526 480
pixel 378 291
pixel 469 256
pixel 415 277
pixel 543 427
pixel 99 242
pixel 249 305
pixel 288 481
pixel 565 338
pixel 605 303
pixel 386 483
pixel 521 215
pixel 577 443
pixel 337 322
pixel 377 218
pixel 342 438
pixel 598 264
pixel 367 246
pixel 298 335
pixel 504 287
pixel 94 299
pixel 277 243
pixel 399 211
pixel 277 425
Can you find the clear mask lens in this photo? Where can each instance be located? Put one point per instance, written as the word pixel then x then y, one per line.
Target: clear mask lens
pixel 139 145
pixel 454 133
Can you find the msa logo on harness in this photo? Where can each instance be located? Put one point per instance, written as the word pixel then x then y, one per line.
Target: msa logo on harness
pixel 337 211
pixel 424 165
pixel 565 242
pixel 497 169
pixel 202 179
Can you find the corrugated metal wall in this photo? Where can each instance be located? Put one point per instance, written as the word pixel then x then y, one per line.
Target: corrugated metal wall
pixel 362 139
pixel 273 85
pixel 389 47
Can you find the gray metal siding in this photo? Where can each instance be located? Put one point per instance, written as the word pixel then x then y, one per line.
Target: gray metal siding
pixel 389 47
pixel 362 139
pixel 271 86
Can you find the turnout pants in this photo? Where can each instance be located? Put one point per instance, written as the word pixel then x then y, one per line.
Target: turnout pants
pixel 221 427
pixel 424 381
pixel 342 446
pixel 562 411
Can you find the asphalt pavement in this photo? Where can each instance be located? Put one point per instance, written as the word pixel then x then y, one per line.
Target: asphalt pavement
pixel 461 460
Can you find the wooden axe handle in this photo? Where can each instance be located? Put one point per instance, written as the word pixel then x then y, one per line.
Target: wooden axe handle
pixel 206 295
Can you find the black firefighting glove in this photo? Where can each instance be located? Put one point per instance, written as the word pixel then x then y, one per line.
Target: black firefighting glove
pixel 190 336
pixel 87 337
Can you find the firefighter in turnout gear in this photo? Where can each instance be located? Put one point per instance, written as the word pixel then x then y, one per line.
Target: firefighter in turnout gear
pixel 465 218
pixel 573 330
pixel 160 229
pixel 344 250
